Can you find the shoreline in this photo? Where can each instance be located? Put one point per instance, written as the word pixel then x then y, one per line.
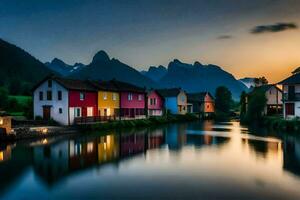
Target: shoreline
pixel 54 131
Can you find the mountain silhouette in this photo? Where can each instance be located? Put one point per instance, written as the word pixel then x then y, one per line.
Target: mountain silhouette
pixel 62 68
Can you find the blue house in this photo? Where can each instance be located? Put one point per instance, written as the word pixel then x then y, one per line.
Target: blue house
pixel 175 100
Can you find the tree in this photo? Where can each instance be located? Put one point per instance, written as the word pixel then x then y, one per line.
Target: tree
pixel 243 106
pixel 223 101
pixel 15 87
pixel 256 105
pixel 3 98
pixel 260 81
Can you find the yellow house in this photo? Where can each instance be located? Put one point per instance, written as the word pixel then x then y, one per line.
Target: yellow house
pixel 108 99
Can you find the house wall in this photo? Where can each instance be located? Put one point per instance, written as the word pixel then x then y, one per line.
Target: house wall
pixel 159 101
pixel 55 104
pixel 285 88
pixel 297 111
pixel 171 104
pixel 90 102
pixel 209 104
pixel 274 96
pixel 182 102
pixel 108 103
pixel 134 103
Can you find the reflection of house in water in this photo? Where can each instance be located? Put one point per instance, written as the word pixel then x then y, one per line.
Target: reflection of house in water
pixel 176 136
pixel 292 155
pixel 51 161
pixel 132 144
pixel 155 138
pixel 264 148
pixel 200 140
pixel 108 148
pixel 5 152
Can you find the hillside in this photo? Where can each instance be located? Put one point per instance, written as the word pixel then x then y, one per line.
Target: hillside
pixel 19 70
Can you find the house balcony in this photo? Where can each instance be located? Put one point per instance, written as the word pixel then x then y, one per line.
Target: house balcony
pixel 293 97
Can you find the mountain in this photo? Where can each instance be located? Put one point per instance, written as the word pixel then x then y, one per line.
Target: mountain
pixel 155 73
pixel 248 82
pixel 19 70
pixel 62 68
pixel 104 68
pixel 197 77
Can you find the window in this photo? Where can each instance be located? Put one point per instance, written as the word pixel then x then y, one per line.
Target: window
pixel 129 96
pixel 105 95
pixel 114 96
pixel 59 95
pixel 50 83
pixel 77 112
pixel 49 95
pixel 154 101
pixel 41 96
pixel 140 97
pixel 151 101
pixel 60 110
pixel 289 109
pixel 82 96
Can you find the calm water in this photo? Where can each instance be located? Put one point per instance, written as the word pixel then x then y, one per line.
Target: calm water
pixel 182 161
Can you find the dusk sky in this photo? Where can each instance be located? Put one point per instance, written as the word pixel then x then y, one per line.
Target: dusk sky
pixel 154 32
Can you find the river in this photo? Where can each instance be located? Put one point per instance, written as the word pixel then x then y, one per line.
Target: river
pixel 178 161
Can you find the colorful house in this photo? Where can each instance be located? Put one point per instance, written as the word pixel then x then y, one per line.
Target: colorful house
pixel 132 100
pixel 202 102
pixel 155 103
pixel 108 99
pixel 64 100
pixel 274 98
pixel 291 96
pixel 175 100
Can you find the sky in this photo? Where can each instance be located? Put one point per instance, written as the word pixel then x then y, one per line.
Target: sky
pixel 248 38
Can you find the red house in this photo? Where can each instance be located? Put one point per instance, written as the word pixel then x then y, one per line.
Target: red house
pixel 64 100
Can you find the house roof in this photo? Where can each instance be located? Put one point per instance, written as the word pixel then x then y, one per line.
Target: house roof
pixel 200 96
pixel 294 79
pixel 69 84
pixel 104 85
pixel 265 88
pixel 172 92
pixel 126 87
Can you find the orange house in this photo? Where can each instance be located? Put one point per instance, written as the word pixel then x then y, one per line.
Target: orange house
pixel 203 103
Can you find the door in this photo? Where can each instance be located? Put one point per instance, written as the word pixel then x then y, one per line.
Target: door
pixel 289 109
pixel 46 113
pixel 90 111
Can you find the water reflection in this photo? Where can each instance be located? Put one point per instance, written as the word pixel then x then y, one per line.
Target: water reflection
pixel 216 150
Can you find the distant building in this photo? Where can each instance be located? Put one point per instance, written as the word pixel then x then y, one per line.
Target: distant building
pixel 64 100
pixel 274 98
pixel 291 96
pixel 202 102
pixel 155 103
pixel 175 100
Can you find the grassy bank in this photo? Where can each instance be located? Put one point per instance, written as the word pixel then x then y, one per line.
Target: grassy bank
pixel 152 121
pixel 278 123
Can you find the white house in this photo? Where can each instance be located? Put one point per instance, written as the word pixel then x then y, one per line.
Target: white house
pixel 291 96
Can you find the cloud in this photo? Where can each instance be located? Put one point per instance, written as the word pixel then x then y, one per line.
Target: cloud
pixel 224 37
pixel 273 28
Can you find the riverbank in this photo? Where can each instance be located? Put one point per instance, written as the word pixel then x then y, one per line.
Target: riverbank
pixel 53 131
pixel 152 121
pixel 278 123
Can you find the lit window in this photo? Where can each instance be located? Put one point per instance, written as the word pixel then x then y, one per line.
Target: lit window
pixel 140 97
pixel 41 96
pixel 130 97
pixel 114 96
pixel 49 95
pixel 105 95
pixel 82 96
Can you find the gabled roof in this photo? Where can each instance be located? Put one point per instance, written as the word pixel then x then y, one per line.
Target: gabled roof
pixel 172 92
pixel 294 79
pixel 126 87
pixel 104 85
pixel 200 96
pixel 264 88
pixel 69 84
